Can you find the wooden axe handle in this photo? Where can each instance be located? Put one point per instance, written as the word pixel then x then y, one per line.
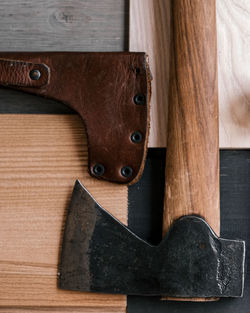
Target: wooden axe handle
pixel 192 163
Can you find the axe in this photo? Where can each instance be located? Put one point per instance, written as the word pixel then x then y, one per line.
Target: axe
pixel 100 254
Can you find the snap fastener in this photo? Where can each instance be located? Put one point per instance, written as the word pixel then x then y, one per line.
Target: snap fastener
pixel 126 171
pixel 35 74
pixel 139 99
pixel 136 137
pixel 98 169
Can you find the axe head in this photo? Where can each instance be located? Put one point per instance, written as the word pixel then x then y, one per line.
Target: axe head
pixel 100 254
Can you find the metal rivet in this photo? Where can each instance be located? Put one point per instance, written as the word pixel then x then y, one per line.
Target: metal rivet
pixel 136 137
pixel 35 74
pixel 98 169
pixel 126 171
pixel 139 99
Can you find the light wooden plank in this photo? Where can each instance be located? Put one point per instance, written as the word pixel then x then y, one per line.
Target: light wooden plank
pixel 150 31
pixel 61 310
pixel 41 156
pixel 233 27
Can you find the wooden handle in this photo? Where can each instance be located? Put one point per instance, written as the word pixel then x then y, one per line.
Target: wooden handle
pixel 192 163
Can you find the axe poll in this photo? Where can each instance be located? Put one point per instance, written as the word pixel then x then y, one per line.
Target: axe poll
pixel 100 254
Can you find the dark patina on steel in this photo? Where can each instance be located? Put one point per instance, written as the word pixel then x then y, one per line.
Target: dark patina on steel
pixel 100 254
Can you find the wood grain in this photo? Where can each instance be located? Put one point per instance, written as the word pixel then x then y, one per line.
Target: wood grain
pixel 233 18
pixel 192 160
pixel 52 25
pixel 41 156
pixel 150 31
pixel 61 310
pixel 37 194
pixel 65 25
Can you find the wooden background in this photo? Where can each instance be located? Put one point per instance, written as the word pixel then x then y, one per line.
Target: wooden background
pixel 149 31
pixel 42 155
pixel 105 25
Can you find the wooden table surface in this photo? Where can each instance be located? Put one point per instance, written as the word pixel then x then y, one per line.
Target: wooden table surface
pixel 41 155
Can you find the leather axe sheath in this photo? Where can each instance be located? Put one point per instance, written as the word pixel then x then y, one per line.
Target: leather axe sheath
pixel 109 90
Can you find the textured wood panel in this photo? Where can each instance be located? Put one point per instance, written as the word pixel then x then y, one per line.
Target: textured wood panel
pixel 40 158
pixel 43 157
pixel 149 31
pixel 59 25
pixel 63 25
pixel 61 310
pixel 233 27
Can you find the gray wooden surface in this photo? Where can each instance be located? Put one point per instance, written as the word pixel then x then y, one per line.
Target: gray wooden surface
pixel 62 25
pixel 58 25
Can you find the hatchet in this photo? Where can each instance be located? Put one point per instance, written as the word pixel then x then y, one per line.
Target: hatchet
pixel 99 254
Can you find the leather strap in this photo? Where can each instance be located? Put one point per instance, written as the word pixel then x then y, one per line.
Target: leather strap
pixel 111 93
pixel 20 73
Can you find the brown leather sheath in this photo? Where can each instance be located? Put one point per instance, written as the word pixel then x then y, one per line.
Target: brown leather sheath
pixel 110 91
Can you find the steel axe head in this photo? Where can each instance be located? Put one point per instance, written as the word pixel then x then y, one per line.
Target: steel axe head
pixel 100 254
